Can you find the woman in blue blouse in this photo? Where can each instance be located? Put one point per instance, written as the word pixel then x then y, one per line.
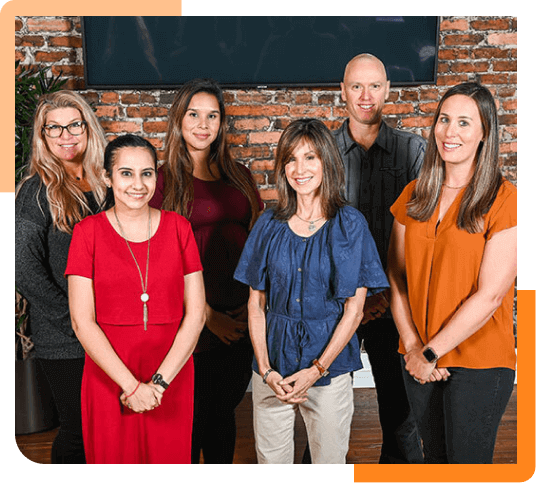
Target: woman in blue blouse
pixel 309 263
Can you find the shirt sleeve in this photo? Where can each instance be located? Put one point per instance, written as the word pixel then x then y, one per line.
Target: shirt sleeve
pixel 251 268
pixel 503 214
pixel 354 256
pixel 399 208
pixel 190 253
pixel 81 260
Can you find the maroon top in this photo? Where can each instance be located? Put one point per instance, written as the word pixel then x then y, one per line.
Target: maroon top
pixel 220 222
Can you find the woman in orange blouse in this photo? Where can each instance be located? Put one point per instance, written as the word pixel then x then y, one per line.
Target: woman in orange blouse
pixel 452 267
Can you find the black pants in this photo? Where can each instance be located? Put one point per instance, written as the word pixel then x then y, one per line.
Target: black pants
pixel 65 379
pixel 459 418
pixel 222 376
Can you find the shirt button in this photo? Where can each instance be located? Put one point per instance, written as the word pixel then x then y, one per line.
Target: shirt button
pixel 297 300
pixel 299 269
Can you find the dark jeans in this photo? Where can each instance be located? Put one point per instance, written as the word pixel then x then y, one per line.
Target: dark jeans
pixel 222 376
pixel 458 419
pixel 65 379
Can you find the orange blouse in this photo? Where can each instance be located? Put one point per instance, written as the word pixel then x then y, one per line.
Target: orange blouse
pixel 442 267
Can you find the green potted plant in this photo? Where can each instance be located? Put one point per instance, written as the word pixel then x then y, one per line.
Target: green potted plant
pixel 34 410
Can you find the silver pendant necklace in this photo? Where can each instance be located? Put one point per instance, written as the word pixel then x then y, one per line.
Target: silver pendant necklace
pixel 144 296
pixel 312 226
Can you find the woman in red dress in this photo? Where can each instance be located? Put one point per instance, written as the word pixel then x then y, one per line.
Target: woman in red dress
pixel 137 300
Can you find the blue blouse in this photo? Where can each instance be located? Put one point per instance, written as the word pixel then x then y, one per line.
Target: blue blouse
pixel 307 281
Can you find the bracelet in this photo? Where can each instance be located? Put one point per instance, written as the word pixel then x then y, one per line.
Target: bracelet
pixel 323 371
pixel 132 393
pixel 266 374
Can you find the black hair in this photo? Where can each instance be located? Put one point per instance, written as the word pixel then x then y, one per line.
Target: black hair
pixel 120 142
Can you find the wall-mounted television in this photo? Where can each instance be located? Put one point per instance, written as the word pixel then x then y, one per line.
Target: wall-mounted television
pixel 166 52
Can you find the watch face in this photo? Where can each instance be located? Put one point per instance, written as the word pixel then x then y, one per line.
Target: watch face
pixel 429 355
pixel 157 378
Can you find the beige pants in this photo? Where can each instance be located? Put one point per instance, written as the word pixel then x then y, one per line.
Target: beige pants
pixel 327 414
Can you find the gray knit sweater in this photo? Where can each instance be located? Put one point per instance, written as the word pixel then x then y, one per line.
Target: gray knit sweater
pixel 40 260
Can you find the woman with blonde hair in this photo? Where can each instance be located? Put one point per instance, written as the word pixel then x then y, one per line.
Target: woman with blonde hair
pixel 63 185
pixel 452 267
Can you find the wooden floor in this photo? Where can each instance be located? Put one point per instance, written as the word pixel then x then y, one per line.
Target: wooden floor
pixel 365 440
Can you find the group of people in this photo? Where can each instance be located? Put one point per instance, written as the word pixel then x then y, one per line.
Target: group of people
pixel 157 293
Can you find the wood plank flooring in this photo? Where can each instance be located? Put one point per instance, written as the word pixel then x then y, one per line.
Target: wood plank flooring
pixel 365 442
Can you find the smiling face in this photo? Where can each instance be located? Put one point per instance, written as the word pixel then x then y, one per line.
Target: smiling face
pixel 67 148
pixel 133 179
pixel 458 130
pixel 365 89
pixel 304 170
pixel 201 123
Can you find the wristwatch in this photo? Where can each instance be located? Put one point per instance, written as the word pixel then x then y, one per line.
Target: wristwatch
pixel 157 379
pixel 430 355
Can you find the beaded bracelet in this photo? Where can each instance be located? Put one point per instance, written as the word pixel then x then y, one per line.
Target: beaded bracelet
pixel 132 393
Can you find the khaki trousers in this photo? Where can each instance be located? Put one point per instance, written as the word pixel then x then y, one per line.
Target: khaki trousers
pixel 327 414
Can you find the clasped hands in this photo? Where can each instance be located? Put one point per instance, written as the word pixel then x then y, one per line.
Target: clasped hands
pixel 293 389
pixel 422 370
pixel 146 397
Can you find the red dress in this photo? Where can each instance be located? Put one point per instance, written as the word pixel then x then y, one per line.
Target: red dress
pixel 112 433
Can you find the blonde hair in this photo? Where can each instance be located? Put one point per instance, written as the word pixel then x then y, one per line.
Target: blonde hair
pixel 67 202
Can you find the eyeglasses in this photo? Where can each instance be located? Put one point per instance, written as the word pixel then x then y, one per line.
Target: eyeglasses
pixel 55 130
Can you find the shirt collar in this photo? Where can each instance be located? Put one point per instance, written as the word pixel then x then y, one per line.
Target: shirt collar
pixel 384 140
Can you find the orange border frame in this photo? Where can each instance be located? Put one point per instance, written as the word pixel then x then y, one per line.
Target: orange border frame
pixel 525 467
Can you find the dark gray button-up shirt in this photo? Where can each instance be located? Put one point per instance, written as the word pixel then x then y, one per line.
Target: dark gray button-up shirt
pixel 375 178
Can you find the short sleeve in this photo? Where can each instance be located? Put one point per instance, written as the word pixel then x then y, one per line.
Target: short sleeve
pixel 81 259
pixel 251 268
pixel 503 213
pixel 399 208
pixel 354 255
pixel 191 261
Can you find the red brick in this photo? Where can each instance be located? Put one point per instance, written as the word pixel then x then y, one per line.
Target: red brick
pixel 262 165
pixel 109 98
pixel 459 24
pixel 108 111
pixel 68 69
pixel 48 24
pixel 253 111
pixel 264 137
pixel 155 126
pixel 251 124
pixel 470 67
pixel 55 56
pixel 67 41
pixel 130 98
pixel 506 65
pixel 237 138
pixel 268 194
pixel 398 109
pixel 29 41
pixel 465 39
pixel 502 39
pixel 121 126
pixel 310 111
pixel 147 111
pixel 492 24
pixel 18 25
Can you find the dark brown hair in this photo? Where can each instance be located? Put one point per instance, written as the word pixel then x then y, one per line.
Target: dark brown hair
pixel 178 168
pixel 322 142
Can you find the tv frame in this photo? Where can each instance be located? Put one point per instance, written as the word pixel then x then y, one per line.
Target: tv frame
pixel 250 85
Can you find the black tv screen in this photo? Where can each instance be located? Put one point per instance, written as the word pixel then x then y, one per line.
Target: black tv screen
pixel 166 52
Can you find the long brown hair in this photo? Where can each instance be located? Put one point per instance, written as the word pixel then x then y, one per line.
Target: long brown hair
pixel 486 180
pixel 67 202
pixel 322 142
pixel 178 167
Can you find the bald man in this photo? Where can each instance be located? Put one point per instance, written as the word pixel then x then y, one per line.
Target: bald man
pixel 379 162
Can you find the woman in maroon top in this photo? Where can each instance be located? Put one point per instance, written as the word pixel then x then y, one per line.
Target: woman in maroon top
pixel 202 182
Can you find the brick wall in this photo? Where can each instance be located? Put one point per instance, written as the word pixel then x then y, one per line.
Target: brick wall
pixel 470 48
